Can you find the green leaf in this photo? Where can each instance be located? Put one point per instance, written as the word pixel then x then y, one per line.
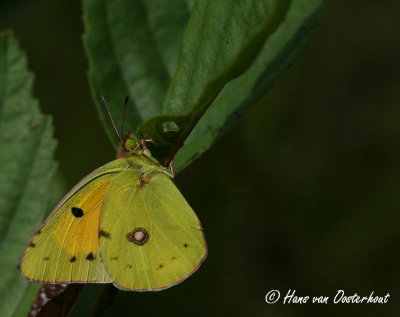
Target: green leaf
pixel 277 55
pixel 229 58
pixel 27 167
pixel 25 303
pixel 132 48
pixel 221 41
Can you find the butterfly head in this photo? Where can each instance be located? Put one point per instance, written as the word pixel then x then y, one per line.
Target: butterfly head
pixel 127 145
pixel 130 145
pixel 129 142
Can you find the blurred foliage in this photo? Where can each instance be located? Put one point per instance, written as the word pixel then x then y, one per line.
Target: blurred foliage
pixel 302 194
pixel 27 169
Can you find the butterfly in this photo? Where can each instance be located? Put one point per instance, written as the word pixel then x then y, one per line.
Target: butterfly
pixel 125 223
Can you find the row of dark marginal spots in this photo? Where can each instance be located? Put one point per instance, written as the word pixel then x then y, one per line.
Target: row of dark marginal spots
pixel 90 257
pixel 160 266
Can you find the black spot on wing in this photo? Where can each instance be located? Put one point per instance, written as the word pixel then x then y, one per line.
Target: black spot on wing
pixel 77 212
pixel 114 258
pixel 160 266
pixel 185 245
pixel 104 234
pixel 173 258
pixel 90 257
pixel 129 266
pixel 46 258
pixel 72 259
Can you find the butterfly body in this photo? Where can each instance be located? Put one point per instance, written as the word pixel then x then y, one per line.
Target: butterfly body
pixel 125 223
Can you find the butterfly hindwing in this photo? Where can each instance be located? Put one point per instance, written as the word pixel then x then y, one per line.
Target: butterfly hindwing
pixel 151 238
pixel 66 248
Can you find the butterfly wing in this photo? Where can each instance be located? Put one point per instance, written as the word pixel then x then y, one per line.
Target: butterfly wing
pixel 152 238
pixel 66 247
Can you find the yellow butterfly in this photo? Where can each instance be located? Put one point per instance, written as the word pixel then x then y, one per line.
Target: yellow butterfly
pixel 125 223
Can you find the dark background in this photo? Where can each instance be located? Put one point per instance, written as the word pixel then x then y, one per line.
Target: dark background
pixel 303 194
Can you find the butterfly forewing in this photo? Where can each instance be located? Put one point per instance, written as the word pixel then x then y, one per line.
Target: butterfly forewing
pixel 66 248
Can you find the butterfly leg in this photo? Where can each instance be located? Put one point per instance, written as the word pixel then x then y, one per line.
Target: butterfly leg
pixel 136 147
pixel 142 144
pixel 171 167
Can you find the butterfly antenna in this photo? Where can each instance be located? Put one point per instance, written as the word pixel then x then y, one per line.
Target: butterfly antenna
pixel 123 115
pixel 109 113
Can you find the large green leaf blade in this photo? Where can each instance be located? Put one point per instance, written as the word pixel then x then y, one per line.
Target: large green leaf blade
pixel 132 48
pixel 168 20
pixel 221 41
pixel 277 55
pixel 27 167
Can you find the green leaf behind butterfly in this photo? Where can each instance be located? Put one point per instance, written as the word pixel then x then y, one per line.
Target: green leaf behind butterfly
pixel 133 50
pixel 25 302
pixel 27 167
pixel 132 47
pixel 275 57
pixel 221 41
pixel 230 53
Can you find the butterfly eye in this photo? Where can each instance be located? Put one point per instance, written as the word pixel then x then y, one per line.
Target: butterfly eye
pixel 130 144
pixel 138 236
